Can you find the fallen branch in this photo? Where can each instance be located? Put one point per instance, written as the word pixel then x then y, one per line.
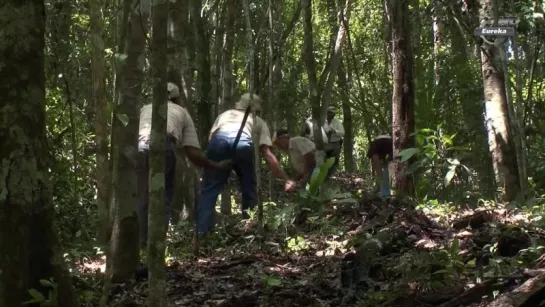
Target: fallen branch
pixel 494 283
pixel 521 294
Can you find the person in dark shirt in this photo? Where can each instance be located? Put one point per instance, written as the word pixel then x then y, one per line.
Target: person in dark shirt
pixel 381 154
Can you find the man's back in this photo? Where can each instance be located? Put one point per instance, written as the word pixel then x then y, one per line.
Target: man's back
pixel 179 124
pixel 300 146
pixel 382 146
pixel 231 120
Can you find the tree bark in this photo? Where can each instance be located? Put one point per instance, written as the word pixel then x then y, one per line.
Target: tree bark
pixel 124 243
pixel 156 217
pixel 500 139
pixel 100 122
pixel 204 82
pixel 227 77
pixel 29 243
pixel 403 92
pixel 348 141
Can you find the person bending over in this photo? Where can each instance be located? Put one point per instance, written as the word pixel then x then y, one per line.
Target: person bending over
pixel 181 136
pixel 221 146
pixel 302 153
pixel 380 152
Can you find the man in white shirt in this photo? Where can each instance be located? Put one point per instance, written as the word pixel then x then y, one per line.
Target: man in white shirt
pixel 335 133
pixel 220 147
pixel 181 137
pixel 308 131
pixel 302 154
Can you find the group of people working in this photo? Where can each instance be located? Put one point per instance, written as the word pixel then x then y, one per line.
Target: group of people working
pixel 226 153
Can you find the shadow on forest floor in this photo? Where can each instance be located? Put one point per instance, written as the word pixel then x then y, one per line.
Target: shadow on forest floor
pixel 360 253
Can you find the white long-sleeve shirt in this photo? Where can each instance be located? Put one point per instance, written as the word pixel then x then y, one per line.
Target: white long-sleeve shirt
pixel 338 130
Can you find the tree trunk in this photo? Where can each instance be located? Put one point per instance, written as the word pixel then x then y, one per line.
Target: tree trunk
pixel 156 217
pixel 100 122
pixel 124 242
pixel 403 92
pixel 227 77
pixel 500 140
pixel 348 141
pixel 29 243
pixel 204 82
pixel 310 63
pixel 251 88
pixel 335 60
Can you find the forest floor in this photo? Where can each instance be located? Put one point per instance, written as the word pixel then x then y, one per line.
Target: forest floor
pixel 357 251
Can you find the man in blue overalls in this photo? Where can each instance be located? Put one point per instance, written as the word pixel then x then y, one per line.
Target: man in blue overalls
pixel 221 146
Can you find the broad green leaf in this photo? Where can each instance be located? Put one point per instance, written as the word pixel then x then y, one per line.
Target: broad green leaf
pixel 406 154
pixel 123 118
pixel 450 174
pixel 36 295
pixel 47 283
pixel 273 281
pixel 157 182
pixel 454 246
pixel 414 167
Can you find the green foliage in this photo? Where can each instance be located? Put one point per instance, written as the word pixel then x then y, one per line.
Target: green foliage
pixel 39 298
pixel 435 156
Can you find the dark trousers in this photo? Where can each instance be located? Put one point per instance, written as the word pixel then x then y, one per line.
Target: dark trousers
pixel 333 150
pixel 220 147
pixel 142 171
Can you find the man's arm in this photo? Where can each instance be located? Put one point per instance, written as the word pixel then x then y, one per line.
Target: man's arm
pixel 272 162
pixel 196 157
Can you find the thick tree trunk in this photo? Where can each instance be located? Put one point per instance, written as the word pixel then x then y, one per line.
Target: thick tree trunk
pixel 500 139
pixel 124 242
pixel 156 217
pixel 403 92
pixel 29 242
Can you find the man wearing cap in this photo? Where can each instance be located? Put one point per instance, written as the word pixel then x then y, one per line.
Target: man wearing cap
pixel 335 133
pixel 308 131
pixel 181 137
pixel 380 152
pixel 302 153
pixel 221 146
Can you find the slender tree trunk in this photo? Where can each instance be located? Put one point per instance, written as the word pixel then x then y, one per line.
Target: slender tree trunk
pixel 101 118
pixel 310 63
pixel 348 141
pixel 156 217
pixel 204 82
pixel 251 88
pixel 500 139
pixel 29 243
pixel 403 92
pixel 124 242
pixel 227 77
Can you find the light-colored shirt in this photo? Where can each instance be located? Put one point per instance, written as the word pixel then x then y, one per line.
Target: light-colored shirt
pixel 179 125
pixel 311 134
pixel 337 126
pixel 231 120
pixel 299 147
